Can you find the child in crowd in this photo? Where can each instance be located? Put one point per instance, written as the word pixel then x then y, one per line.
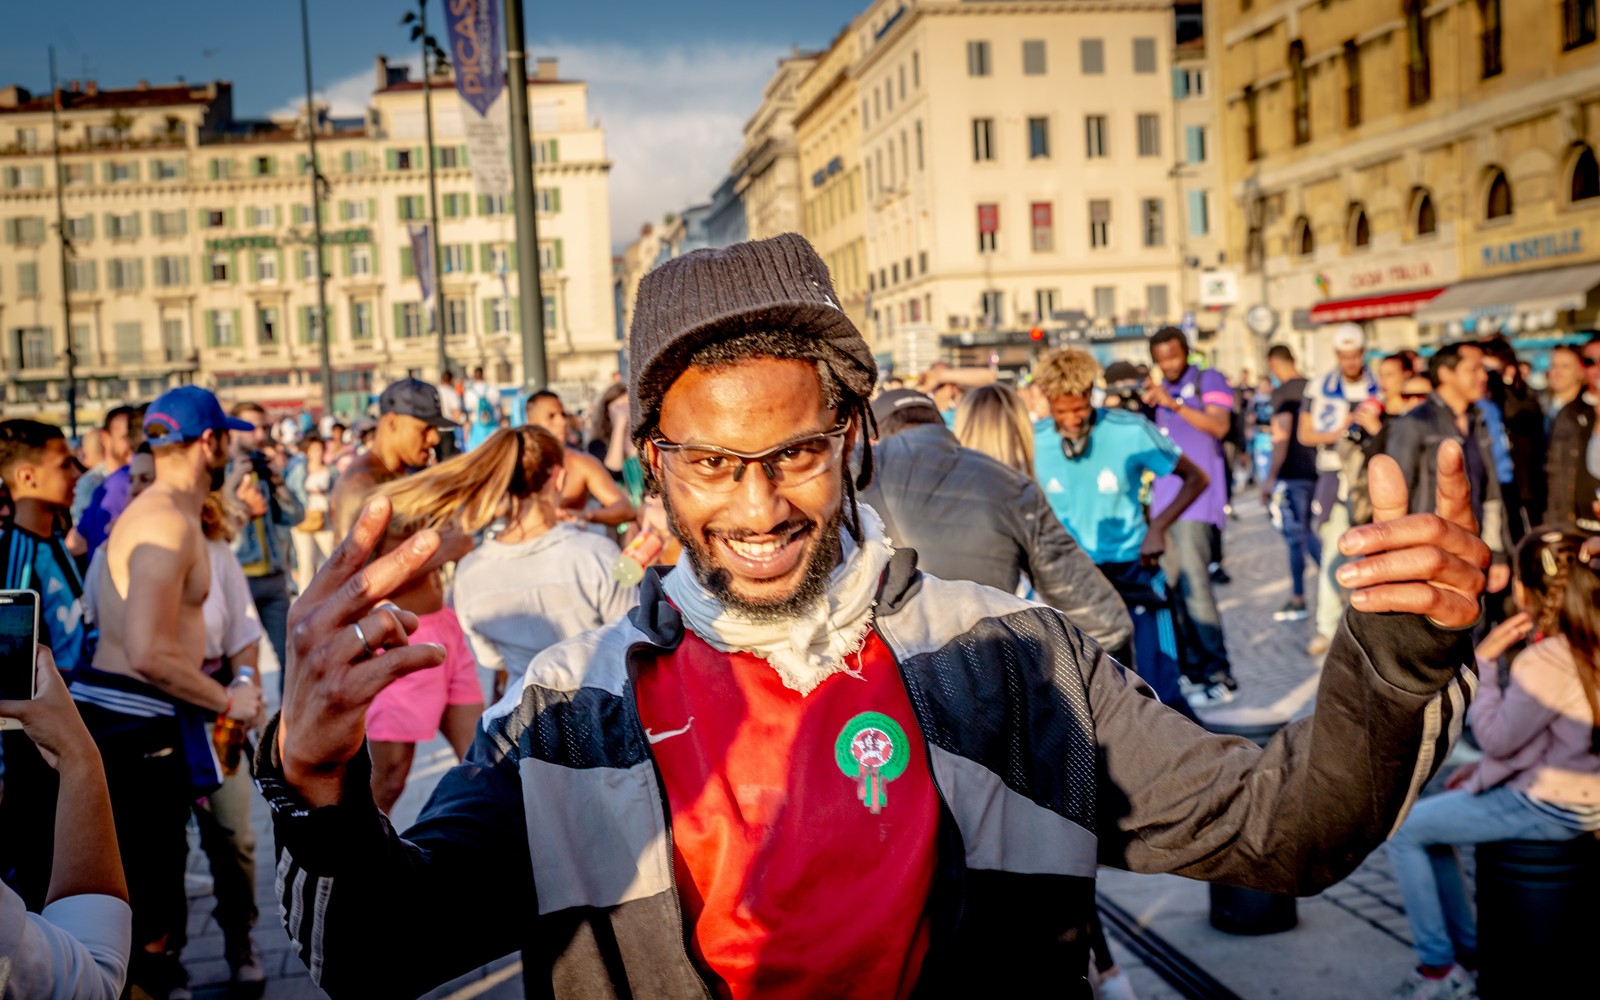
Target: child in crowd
pixel 1539 778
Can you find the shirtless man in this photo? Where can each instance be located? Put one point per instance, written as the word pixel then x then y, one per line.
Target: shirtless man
pixel 146 699
pixel 586 477
pixel 409 424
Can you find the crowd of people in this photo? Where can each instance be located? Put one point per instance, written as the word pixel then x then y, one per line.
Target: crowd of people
pixel 993 608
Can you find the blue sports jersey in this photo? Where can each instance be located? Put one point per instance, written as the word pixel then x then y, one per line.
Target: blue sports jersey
pixel 1097 496
pixel 43 565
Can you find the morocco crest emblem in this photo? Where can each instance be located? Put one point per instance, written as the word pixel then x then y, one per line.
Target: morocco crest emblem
pixel 872 749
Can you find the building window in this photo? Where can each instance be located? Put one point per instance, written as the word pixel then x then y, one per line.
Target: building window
pixel 1044 231
pixel 1044 304
pixel 1419 74
pixel 1149 135
pixel 1585 176
pixel 919 157
pixel 123 227
pixel 355 210
pixel 547 151
pixel 410 326
pixel 1194 141
pixel 124 273
pixel 1105 302
pixel 37 349
pixel 172 339
pixel 74 173
pixel 550 313
pixel 221 169
pixel 172 272
pixel 260 216
pixel 549 201
pixel 361 321
pixel 302 215
pixel 1095 144
pixel 453 257
pixel 1155 302
pixel 1194 82
pixel 455 317
pixel 83 276
pixel 27 278
pixel 988 227
pixel 1360 229
pixel 399 159
pixel 1300 80
pixel 80 228
pixel 1099 224
pixel 993 306
pixel 499 260
pixel 1577 23
pixel 500 315
pixel 121 173
pixel 266 267
pixel 410 207
pixel 1352 84
pixel 263 166
pixel 1489 38
pixel 216 219
pixel 1498 205
pixel 1152 214
pixel 219 267
pixel 916 70
pixel 1424 221
pixel 1038 138
pixel 1033 57
pixel 977 58
pixel 360 261
pixel 1305 240
pixel 1252 124
pixel 267 326
pixel 308 265
pixel 1199 213
pixel 1144 55
pixel 1092 56
pixel 27 231
pixel 982 141
pixel 493 205
pixel 447 157
pixel 223 333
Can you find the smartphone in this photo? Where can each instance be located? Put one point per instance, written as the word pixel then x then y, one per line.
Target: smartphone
pixel 19 634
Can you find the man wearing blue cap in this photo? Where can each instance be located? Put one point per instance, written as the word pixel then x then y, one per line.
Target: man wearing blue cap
pixel 146 698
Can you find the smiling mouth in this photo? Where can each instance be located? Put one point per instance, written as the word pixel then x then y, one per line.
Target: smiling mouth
pixel 768 555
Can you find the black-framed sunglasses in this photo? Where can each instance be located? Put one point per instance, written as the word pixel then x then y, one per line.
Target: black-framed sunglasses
pixel 720 470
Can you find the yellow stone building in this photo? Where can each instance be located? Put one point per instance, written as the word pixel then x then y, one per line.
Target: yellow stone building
pixel 192 257
pixel 767 166
pixel 1423 168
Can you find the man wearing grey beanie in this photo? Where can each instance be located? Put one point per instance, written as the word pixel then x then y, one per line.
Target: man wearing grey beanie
pixel 801 766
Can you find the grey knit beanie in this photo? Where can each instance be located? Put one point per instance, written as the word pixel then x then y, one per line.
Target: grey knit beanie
pixel 778 285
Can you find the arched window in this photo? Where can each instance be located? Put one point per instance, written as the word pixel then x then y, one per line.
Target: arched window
pixel 1302 92
pixel 1585 176
pixel 1499 201
pixel 1305 241
pixel 1424 220
pixel 1360 230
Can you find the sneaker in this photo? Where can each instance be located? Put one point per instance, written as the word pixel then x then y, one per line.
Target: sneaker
pixel 1211 695
pixel 1116 986
pixel 1293 611
pixel 1218 574
pixel 1319 645
pixel 248 974
pixel 1453 985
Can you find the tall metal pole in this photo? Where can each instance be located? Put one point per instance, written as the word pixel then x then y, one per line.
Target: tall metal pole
pixel 61 234
pixel 534 373
pixel 316 220
pixel 433 189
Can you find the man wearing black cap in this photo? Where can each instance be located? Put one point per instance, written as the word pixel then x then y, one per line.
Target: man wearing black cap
pixel 801 766
pixel 409 421
pixel 146 700
pixel 970 517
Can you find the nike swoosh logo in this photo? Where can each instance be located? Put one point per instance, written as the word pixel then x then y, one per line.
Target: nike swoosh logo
pixel 669 734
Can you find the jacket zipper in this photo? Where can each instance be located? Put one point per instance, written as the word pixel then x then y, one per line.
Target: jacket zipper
pixel 666 813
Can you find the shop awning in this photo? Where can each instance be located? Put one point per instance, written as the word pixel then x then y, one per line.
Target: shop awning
pixel 1557 289
pixel 1355 310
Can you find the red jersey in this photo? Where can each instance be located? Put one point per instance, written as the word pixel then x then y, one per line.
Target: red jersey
pixel 804 828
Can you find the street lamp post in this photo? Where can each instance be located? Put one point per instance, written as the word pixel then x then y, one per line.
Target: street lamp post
pixel 431 49
pixel 71 355
pixel 317 184
pixel 534 372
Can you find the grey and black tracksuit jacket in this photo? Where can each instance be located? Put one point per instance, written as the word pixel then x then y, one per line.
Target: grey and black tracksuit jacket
pixel 554 836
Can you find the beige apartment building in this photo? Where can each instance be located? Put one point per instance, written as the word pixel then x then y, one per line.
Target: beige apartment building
pixel 1425 169
pixel 767 166
pixel 193 257
pixel 1018 177
pixel 827 126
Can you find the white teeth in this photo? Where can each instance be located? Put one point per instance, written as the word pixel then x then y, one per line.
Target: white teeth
pixel 754 551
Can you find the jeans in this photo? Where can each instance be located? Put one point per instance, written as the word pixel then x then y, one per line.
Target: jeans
pixel 1155 636
pixel 1425 864
pixel 271 594
pixel 1331 596
pixel 1291 501
pixel 1186 564
pixel 229 840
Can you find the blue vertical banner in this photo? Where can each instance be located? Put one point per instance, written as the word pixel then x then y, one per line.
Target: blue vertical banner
pixel 476 59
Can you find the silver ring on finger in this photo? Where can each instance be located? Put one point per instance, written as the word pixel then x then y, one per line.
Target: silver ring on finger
pixel 363 637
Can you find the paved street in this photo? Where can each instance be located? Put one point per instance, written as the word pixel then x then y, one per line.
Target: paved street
pixel 1351 940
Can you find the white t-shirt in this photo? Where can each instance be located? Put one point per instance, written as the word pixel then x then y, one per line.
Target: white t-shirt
pixel 77 949
pixel 1328 401
pixel 232 622
pixel 450 402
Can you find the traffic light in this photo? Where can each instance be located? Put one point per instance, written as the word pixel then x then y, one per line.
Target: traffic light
pixel 1036 333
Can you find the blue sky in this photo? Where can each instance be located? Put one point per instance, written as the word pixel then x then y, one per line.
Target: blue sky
pixel 671 81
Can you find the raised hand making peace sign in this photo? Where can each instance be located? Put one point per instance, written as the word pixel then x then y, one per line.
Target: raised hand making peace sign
pixel 1424 564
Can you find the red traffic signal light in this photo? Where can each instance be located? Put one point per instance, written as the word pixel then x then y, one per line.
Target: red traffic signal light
pixel 1036 334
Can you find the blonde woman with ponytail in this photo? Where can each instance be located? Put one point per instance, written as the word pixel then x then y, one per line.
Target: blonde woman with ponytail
pixel 537 580
pixel 1539 778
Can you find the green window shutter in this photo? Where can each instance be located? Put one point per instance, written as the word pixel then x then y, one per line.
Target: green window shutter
pixel 233 267
pixel 282 274
pixel 483 204
pixel 238 328
pixel 408 267
pixel 200 219
pixel 212 166
pixel 372 211
pixel 466 257
pixel 344 259
pixel 228 218
pixel 211 328
pixel 511 257
pixel 344 211
pixel 400 207
pixel 332 319
pixel 108 218
pixel 555 200
pixel 399 327
pixel 483 258
pixel 417 162
pixel 462 155
pixel 488 315
pixel 516 315
pixel 277 216
pixel 392 159
pixel 555 151
pixel 133 170
pixel 560 261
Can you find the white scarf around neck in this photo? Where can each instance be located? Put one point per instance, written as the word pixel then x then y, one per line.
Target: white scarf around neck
pixel 813 646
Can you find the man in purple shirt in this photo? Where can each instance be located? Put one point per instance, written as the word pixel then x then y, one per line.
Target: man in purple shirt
pixel 1194 407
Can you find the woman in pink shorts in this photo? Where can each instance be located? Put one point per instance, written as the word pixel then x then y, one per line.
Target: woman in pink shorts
pixel 444 699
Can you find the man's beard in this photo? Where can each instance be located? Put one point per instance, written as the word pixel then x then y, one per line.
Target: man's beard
pixel 717 580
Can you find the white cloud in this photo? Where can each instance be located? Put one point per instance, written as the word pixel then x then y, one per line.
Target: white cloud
pixel 672 116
